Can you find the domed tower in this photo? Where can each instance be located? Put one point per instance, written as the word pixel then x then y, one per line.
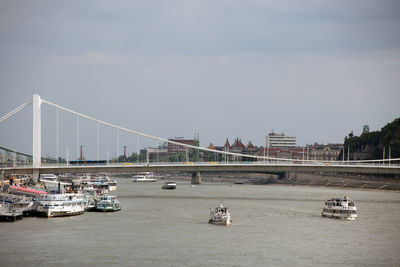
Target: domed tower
pixel 365 129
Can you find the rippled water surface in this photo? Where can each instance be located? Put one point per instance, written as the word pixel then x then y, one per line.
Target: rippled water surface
pixel 272 225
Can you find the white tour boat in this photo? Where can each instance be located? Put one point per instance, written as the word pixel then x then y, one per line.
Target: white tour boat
pixel 108 203
pixel 340 208
pixel 48 177
pixel 143 177
pixel 105 179
pixel 112 185
pixel 18 203
pixel 89 198
pixel 58 204
pixel 220 215
pixel 169 185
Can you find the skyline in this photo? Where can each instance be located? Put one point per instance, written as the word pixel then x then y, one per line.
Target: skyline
pixel 167 68
pixel 80 147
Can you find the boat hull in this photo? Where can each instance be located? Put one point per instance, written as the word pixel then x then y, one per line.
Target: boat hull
pixel 169 187
pixel 220 222
pixel 139 180
pixel 59 213
pixel 10 217
pixel 107 209
pixel 350 217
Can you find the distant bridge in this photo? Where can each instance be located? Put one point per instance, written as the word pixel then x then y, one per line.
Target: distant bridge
pixel 208 167
pixel 259 163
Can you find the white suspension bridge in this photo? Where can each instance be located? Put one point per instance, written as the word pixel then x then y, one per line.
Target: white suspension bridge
pixel 258 163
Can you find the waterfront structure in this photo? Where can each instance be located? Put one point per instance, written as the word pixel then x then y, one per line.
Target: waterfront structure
pixel 182 153
pixel 159 154
pixel 324 152
pixel 37 167
pixel 287 152
pixel 173 149
pixel 236 147
pixel 298 153
pixel 280 140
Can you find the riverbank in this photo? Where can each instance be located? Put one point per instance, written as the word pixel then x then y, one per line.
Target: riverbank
pixel 300 179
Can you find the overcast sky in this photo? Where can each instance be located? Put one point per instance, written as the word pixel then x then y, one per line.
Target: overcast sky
pixel 313 69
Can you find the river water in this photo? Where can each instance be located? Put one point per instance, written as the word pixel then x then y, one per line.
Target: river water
pixel 272 226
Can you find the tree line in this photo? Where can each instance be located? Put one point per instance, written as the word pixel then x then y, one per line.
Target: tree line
pixel 374 145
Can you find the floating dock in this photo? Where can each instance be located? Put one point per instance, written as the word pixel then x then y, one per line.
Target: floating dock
pixel 10 217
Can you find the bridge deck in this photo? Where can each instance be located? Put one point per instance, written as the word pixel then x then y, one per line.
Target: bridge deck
pixel 204 167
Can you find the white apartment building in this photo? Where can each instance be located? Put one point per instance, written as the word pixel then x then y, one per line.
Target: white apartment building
pixel 280 140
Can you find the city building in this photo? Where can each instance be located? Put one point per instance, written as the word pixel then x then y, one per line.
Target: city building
pixel 173 149
pixel 296 153
pixel 182 153
pixel 280 140
pixel 236 147
pixel 159 154
pixel 324 152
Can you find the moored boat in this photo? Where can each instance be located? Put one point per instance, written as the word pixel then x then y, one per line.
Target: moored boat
pixel 340 208
pixel 112 185
pixel 17 203
pixel 105 179
pixel 143 177
pixel 48 177
pixel 7 214
pixel 89 199
pixel 108 203
pixel 220 215
pixel 60 204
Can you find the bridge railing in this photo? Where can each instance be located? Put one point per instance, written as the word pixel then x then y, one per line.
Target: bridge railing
pixel 210 163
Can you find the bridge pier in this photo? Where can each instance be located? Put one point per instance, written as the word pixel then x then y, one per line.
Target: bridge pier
pixel 196 179
pixel 285 175
pixel 35 175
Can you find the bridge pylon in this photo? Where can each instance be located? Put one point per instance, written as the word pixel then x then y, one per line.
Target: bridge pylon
pixel 37 133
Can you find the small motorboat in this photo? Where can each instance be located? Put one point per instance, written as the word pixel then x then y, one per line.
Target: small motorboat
pixel 220 215
pixel 169 185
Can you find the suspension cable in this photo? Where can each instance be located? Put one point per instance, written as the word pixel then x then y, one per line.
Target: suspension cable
pixel 202 148
pixel 154 137
pixel 15 111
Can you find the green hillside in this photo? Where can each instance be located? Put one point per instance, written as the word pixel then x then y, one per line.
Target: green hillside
pixel 374 145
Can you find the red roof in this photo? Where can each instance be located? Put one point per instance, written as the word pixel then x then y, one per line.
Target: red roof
pixel 211 146
pixel 238 144
pixel 250 145
pixel 227 144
